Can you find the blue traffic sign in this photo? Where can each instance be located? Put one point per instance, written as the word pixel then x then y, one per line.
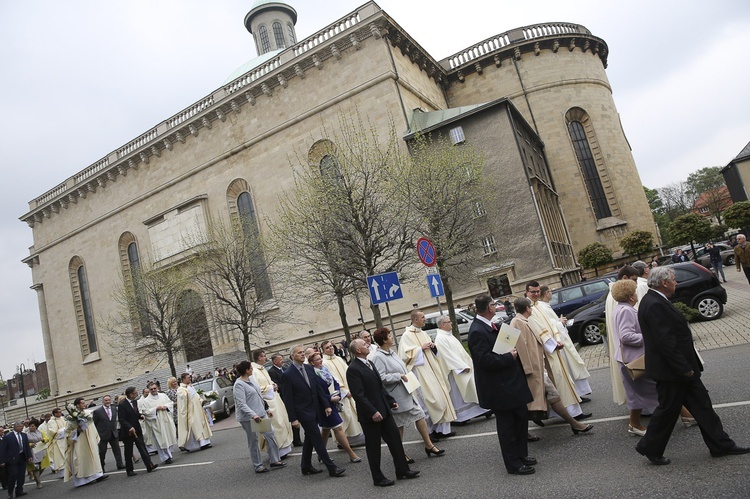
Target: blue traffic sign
pixel 384 287
pixel 435 283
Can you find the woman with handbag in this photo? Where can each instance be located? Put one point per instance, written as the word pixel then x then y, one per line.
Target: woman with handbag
pixel 640 393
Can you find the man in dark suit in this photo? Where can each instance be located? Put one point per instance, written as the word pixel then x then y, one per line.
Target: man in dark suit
pixel 105 420
pixel 501 386
pixel 305 401
pixel 671 360
pixel 131 431
pixel 3 471
pixel 14 454
pixel 374 406
pixel 276 372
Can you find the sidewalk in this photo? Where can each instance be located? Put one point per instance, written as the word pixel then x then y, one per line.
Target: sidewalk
pixel 731 329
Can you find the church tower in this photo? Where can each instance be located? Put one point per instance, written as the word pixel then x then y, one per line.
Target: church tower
pixel 272 25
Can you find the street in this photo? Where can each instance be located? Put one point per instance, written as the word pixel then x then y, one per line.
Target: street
pixel 600 464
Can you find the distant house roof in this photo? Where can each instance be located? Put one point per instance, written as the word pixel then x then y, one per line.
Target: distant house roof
pixel 744 153
pixel 708 197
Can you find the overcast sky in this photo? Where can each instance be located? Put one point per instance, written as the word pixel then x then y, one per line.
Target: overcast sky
pixel 81 78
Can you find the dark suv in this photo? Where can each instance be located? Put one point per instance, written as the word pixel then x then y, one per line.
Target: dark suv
pixel 565 300
pixel 697 288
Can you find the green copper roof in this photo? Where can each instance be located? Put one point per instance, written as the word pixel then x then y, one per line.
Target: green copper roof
pixel 251 64
pixel 425 121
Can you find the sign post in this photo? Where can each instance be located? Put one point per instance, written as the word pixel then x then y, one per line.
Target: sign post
pixel 384 288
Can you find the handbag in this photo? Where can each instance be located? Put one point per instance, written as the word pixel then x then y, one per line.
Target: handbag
pixel 637 367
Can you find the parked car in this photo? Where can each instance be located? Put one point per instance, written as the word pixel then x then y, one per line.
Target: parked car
pixel 697 287
pixel 463 320
pixel 565 300
pixel 727 255
pixel 223 388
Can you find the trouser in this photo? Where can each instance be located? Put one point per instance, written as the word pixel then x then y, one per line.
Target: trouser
pixel 115 444
pixel 512 432
pixel 747 273
pixel 672 396
pixel 254 448
pixel 388 431
pixel 3 477
pixel 128 442
pixel 314 440
pixel 296 439
pixel 718 267
pixel 16 475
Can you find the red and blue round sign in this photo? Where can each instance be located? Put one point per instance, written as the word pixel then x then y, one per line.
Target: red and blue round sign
pixel 426 252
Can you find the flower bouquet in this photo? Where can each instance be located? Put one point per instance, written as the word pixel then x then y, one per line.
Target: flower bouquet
pixel 207 398
pixel 77 419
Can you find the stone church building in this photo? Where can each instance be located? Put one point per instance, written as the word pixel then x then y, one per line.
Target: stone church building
pixel 535 100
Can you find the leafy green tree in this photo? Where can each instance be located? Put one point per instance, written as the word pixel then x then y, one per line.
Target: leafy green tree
pixel 654 200
pixel 708 185
pixel 441 183
pixel 738 215
pixel 594 255
pixel 43 394
pixel 637 243
pixel 689 229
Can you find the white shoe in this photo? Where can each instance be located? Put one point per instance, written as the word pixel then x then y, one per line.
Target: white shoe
pixel 688 422
pixel 636 431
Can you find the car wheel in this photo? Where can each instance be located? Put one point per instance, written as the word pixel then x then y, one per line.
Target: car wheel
pixel 730 260
pixel 591 333
pixel 225 408
pixel 710 308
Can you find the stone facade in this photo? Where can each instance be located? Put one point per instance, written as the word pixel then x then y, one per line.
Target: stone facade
pixel 250 131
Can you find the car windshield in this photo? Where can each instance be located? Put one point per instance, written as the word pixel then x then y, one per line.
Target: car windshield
pixel 206 386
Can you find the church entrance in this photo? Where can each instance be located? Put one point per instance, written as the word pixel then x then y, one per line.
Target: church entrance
pixel 193 327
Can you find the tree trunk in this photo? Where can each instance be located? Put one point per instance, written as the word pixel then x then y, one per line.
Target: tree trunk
pixel 342 316
pixel 246 344
pixel 449 300
pixel 170 361
pixel 378 318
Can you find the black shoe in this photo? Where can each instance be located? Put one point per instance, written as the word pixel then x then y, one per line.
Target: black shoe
pixel 528 461
pixel 585 399
pixel 658 460
pixel 408 474
pixel 120 466
pixel 168 461
pixel 132 473
pixel 582 416
pixel 538 422
pixel 736 450
pixel 336 472
pixel 207 446
pixel 523 470
pixel 152 468
pixel 297 443
pixel 277 465
pixel 447 435
pixel 587 429
pixel 430 452
pixel 409 460
pixel 383 482
pixel 102 478
pixel 311 471
pixel 19 494
pixel 435 437
pixel 532 438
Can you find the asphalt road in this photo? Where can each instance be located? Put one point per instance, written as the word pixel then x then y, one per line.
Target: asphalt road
pixel 600 464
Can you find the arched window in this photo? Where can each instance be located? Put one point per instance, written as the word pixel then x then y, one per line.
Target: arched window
pixel 192 326
pixel 330 171
pixel 278 35
pixel 265 43
pixel 131 271
pixel 581 135
pixel 290 28
pixel 83 308
pixel 242 210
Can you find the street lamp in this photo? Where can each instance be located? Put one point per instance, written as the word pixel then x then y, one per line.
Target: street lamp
pixel 22 368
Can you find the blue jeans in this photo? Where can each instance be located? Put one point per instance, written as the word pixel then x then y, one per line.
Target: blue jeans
pixel 718 269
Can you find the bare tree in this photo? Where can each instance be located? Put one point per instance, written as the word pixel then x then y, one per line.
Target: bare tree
pixel 156 319
pixel 350 199
pixel 677 199
pixel 710 191
pixel 440 183
pixel 233 267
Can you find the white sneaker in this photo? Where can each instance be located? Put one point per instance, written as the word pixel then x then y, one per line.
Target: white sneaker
pixel 636 431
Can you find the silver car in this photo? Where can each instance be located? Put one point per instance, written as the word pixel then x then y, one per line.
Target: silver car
pixel 223 388
pixel 463 320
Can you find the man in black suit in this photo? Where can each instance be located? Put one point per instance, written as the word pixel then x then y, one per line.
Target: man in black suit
pixel 305 401
pixel 374 406
pixel 501 386
pixel 14 454
pixel 276 372
pixel 3 471
pixel 131 431
pixel 671 360
pixel 105 420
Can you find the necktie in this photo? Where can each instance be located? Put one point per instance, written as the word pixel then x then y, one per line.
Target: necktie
pixel 109 413
pixel 494 326
pixel 20 442
pixel 133 403
pixel 304 374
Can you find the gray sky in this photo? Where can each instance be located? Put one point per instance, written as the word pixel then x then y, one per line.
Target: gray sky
pixel 81 78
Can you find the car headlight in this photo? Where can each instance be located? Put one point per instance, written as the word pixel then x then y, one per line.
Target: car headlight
pixel 570 322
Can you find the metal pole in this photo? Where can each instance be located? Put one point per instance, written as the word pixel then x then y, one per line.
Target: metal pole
pixel 440 308
pixel 390 319
pixel 23 390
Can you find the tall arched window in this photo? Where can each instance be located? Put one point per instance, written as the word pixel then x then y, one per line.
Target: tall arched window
pixel 278 35
pixel 265 42
pixel 192 326
pixel 131 270
pixel 83 308
pixel 249 222
pixel 290 29
pixel 330 171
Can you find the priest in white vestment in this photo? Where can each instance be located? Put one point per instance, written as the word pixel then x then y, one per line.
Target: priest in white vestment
pixel 82 463
pixel 280 424
pixel 416 350
pixel 337 366
pixel 58 443
pixel 459 367
pixel 193 431
pixel 157 409
pixel 575 363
